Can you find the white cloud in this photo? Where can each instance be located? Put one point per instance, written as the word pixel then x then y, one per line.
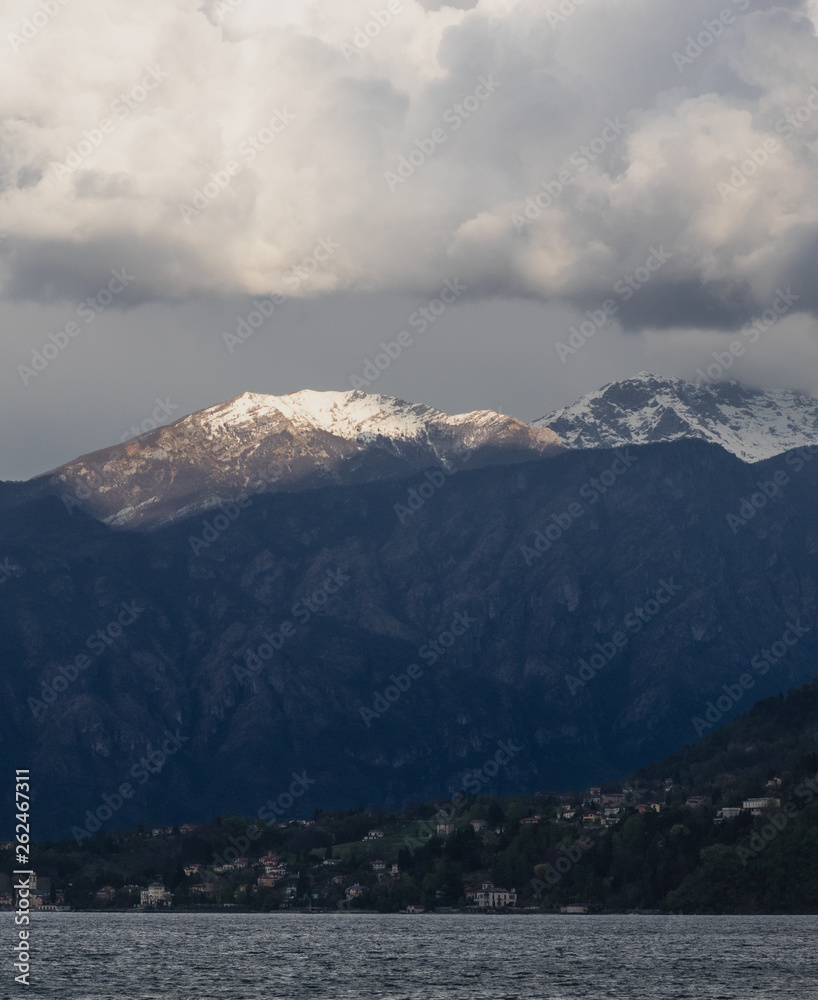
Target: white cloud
pixel 349 111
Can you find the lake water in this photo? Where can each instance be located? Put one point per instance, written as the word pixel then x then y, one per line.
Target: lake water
pixel 146 956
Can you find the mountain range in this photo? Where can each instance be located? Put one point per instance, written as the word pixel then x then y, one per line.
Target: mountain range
pixel 374 596
pixel 753 424
pixel 257 444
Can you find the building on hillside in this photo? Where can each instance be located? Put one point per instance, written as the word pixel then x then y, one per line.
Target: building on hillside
pixel 374 835
pixel 154 895
pixel 378 865
pixel 444 829
pixel 490 897
pixel 106 894
pixel 728 812
pixel 697 801
pixel 762 802
pixel 478 825
pixel 355 891
pixel 207 890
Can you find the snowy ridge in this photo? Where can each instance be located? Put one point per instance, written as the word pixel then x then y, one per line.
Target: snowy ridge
pixel 753 424
pixel 305 440
pixel 346 414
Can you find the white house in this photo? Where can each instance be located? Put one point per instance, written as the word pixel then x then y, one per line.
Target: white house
pixel 155 895
pixel 492 898
pixel 728 812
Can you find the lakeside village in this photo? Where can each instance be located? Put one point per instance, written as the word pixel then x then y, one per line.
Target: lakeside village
pixel 487 855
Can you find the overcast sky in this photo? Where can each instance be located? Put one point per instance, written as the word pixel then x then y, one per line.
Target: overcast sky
pixel 533 160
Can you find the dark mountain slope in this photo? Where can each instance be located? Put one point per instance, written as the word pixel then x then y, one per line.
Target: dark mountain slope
pixel 470 549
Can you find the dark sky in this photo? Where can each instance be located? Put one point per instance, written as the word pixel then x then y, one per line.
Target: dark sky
pixel 173 161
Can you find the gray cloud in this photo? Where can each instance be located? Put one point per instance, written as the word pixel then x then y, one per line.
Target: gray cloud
pixel 380 142
pixel 689 114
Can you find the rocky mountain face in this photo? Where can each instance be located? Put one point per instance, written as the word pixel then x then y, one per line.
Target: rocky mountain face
pixel 753 424
pixel 257 444
pixel 381 638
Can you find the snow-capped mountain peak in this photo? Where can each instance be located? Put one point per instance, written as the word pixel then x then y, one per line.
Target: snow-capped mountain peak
pixel 753 424
pixel 259 444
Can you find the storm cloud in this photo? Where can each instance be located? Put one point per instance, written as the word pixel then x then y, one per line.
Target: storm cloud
pixel 651 165
pixel 535 150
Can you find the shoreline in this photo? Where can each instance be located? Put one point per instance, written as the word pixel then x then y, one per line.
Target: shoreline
pixel 238 911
